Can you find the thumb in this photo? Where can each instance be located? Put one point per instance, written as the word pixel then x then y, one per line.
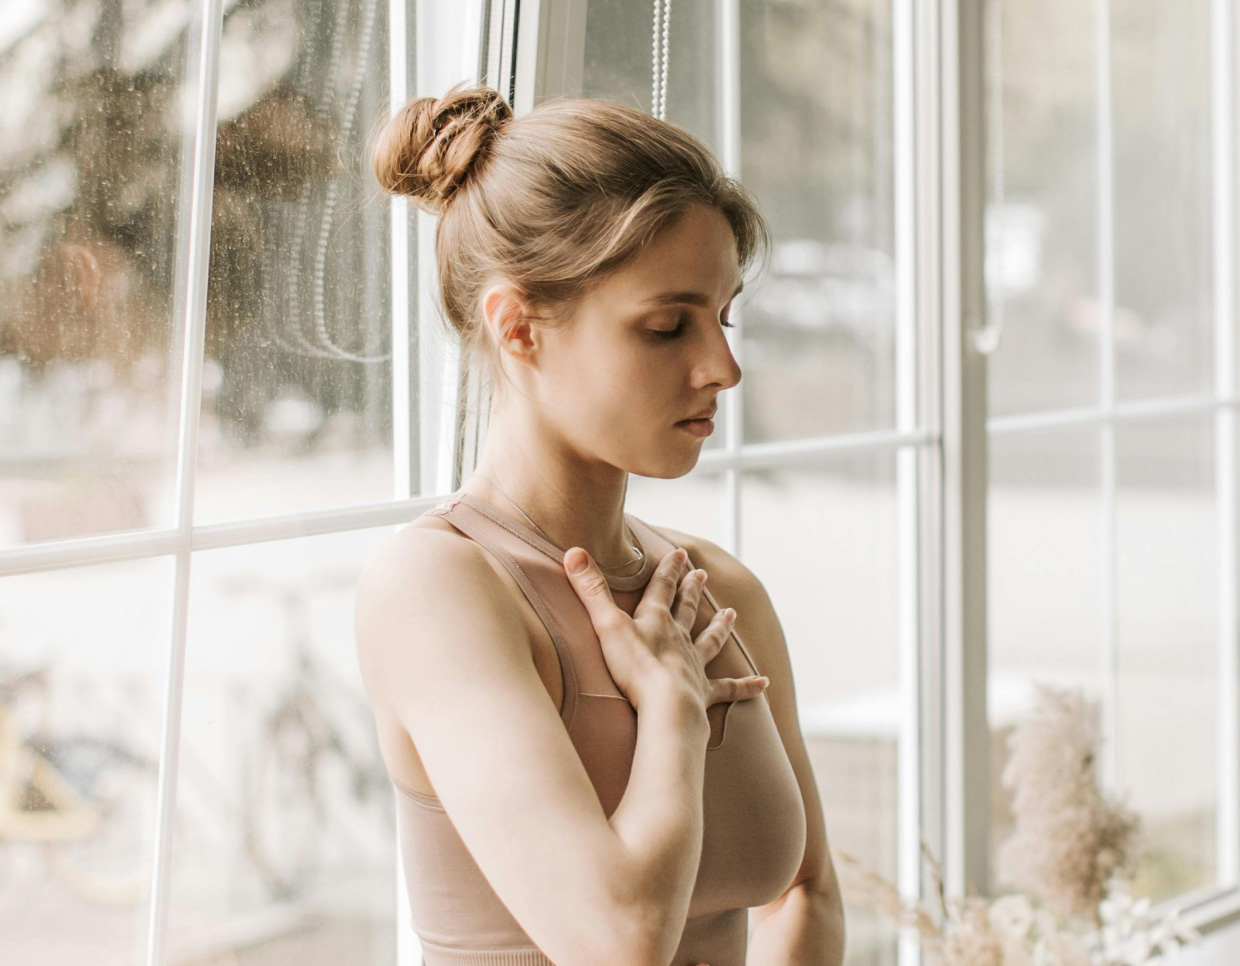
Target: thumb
pixel 590 584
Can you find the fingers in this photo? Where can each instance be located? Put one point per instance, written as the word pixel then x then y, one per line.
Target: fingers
pixel 737 689
pixel 715 634
pixel 690 595
pixel 664 582
pixel 711 642
pixel 591 587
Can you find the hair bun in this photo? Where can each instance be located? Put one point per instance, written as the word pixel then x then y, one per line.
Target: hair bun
pixel 428 148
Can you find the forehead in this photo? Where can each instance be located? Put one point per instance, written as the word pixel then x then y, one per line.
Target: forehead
pixel 696 251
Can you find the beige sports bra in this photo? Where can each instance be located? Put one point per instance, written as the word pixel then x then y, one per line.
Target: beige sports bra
pixel 754 817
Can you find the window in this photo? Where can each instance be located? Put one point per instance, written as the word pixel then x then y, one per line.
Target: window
pixel 1111 270
pixel 986 433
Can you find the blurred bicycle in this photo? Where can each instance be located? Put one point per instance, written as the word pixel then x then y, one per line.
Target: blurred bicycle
pixel 77 802
pixel 318 789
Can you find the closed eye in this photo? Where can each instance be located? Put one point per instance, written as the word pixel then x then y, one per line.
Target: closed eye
pixel 680 329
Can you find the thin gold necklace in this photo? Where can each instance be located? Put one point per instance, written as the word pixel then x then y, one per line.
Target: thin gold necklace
pixel 641 554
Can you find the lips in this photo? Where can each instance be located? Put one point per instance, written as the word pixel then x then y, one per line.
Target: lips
pixel 704 414
pixel 701 427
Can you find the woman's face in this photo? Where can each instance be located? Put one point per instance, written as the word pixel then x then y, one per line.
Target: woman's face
pixel 646 350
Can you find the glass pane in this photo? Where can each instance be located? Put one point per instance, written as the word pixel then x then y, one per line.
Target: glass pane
pixel 91 131
pixel 817 140
pixel 1167 585
pixel 285 835
pixel 296 409
pixel 619 66
pixel 1044 575
pixel 1042 231
pixel 823 541
pixel 1046 585
pixel 81 709
pixel 1163 270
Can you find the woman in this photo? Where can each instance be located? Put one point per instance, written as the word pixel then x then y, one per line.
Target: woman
pixel 590 770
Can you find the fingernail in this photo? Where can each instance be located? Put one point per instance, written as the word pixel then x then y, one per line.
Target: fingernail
pixel 765 681
pixel 578 561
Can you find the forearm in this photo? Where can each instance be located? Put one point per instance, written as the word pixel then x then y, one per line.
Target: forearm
pixel 659 820
pixel 805 928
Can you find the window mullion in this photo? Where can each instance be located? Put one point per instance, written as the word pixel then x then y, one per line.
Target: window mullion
pixel 907 190
pixel 195 246
pixel 1227 492
pixel 965 773
pixel 1109 753
pixel 729 108
pixel 404 466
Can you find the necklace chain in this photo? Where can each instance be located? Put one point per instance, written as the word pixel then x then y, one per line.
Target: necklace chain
pixel 641 554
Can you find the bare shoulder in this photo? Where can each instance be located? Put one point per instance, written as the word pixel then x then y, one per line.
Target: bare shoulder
pixel 409 551
pixel 424 569
pixel 425 542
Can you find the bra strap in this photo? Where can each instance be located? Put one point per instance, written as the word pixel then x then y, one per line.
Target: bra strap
pixel 458 515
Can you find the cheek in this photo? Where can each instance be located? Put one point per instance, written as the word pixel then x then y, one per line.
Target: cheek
pixel 617 385
pixel 624 395
pixel 601 370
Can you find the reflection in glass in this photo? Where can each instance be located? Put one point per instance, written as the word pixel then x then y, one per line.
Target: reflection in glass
pixel 91 124
pixel 823 540
pixel 285 834
pixel 81 706
pixel 296 379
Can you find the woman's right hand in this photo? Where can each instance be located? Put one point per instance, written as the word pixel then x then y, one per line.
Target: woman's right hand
pixel 654 651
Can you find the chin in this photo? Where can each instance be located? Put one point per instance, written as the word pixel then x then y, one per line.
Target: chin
pixel 668 466
pixel 670 462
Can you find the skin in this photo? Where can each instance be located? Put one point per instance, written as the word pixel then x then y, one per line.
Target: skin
pixel 587 404
pixel 591 402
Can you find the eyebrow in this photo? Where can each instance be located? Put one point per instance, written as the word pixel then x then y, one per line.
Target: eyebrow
pixel 687 298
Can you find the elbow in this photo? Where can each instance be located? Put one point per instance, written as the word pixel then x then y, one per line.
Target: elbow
pixel 624 946
pixel 639 948
pixel 629 935
pixel 645 925
pixel 648 937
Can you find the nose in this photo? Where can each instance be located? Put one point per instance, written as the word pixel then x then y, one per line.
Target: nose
pixel 720 366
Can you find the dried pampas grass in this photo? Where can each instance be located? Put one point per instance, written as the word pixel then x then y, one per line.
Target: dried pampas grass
pixel 1069 838
pixel 1070 846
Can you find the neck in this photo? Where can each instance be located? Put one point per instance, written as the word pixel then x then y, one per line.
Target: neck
pixel 574 503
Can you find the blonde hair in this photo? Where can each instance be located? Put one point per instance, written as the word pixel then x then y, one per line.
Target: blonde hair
pixel 552 201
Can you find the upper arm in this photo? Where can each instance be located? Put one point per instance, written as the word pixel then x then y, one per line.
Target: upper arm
pixel 735 585
pixel 441 641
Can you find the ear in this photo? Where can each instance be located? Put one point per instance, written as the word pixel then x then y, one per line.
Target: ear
pixel 507 313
